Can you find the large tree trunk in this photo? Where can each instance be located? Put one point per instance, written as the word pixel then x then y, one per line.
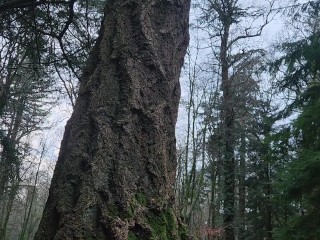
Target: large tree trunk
pixel 115 173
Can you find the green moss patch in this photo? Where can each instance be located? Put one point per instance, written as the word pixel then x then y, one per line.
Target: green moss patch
pixel 163 225
pixel 141 199
pixel 131 236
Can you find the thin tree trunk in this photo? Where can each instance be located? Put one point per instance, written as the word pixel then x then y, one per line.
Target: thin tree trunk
pixel 115 173
pixel 228 124
pixel 242 189
pixel 9 170
pixel 268 206
pixel 190 120
pixel 13 192
pixel 25 231
pixel 212 206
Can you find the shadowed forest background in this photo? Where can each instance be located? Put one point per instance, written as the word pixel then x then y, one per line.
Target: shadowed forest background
pixel 248 132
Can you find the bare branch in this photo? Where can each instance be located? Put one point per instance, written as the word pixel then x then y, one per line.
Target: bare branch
pixel 14 4
pixel 258 32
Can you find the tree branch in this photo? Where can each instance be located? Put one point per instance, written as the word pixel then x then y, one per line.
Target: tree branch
pixel 13 4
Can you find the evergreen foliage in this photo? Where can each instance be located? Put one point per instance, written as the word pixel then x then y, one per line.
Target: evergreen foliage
pixel 300 183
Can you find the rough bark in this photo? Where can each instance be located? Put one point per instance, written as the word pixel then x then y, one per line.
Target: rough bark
pixel 115 173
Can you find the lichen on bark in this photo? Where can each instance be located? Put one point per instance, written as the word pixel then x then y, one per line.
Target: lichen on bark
pixel 115 172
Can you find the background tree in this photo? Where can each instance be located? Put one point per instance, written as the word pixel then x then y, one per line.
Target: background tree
pixel 299 180
pixel 222 19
